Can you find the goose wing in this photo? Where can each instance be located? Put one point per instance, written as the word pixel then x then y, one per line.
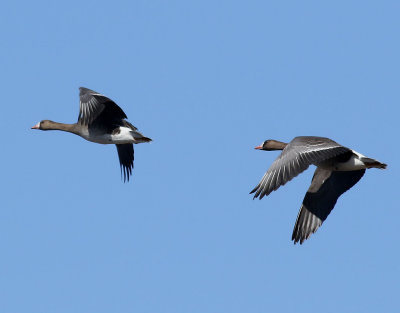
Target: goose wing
pixel 326 187
pixel 94 105
pixel 126 157
pixel 295 158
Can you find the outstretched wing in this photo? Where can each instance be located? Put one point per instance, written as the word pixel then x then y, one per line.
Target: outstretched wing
pixel 126 157
pixel 295 158
pixel 94 105
pixel 326 187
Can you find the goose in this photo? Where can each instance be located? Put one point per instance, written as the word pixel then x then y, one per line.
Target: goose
pixel 338 169
pixel 102 121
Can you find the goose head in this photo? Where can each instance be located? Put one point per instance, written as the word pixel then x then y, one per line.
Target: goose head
pixel 270 145
pixel 44 125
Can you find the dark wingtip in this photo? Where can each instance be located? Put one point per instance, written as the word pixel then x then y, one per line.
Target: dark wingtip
pixel 84 91
pixel 125 173
pixel 253 191
pixel 297 237
pixel 297 240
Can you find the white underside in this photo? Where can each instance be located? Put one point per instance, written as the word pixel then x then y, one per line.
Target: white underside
pixel 353 164
pixel 125 136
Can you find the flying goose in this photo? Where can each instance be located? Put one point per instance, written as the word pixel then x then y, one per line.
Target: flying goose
pixel 101 120
pixel 338 169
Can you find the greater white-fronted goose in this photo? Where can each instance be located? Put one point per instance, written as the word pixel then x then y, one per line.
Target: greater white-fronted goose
pixel 101 120
pixel 338 169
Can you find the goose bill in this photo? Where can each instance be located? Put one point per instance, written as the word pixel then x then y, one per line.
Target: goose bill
pixel 36 126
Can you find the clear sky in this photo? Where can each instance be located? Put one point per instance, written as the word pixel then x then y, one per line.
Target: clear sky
pixel 208 81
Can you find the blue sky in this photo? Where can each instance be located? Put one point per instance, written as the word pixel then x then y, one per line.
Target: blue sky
pixel 208 81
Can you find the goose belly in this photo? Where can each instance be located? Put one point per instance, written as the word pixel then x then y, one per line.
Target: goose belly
pixel 354 163
pixel 122 136
pixel 111 139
